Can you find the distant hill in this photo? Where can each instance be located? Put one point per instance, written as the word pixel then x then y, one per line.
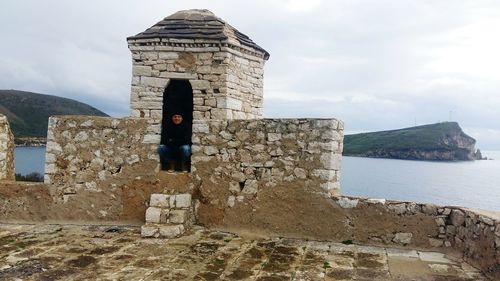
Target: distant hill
pixel 28 113
pixel 442 141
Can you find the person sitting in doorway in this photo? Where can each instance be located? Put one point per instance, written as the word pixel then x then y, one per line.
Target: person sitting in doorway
pixel 175 145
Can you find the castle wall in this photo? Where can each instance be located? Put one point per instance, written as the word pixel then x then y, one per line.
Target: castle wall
pixel 96 157
pixel 242 157
pixel 269 177
pixel 6 150
pixel 103 167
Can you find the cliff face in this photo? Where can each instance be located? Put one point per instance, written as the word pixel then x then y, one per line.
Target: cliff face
pixel 437 142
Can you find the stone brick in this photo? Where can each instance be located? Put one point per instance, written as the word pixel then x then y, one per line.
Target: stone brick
pixel 399 209
pixel 229 103
pixel 440 221
pixel 402 238
pixel 200 84
pixel 154 82
pixel 331 161
pixel 178 216
pixel 141 70
pixel 149 230
pixel 171 231
pixel 156 215
pixel 168 55
pixel 429 209
pixel 183 201
pixel 250 187
pixel 347 203
pixel 159 200
pixel 457 217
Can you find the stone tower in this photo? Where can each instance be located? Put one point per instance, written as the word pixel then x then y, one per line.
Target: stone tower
pixel 223 66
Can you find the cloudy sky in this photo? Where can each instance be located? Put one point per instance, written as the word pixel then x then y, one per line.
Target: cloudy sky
pixel 377 65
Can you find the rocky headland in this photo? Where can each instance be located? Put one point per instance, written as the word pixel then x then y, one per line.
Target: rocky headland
pixel 28 114
pixel 435 142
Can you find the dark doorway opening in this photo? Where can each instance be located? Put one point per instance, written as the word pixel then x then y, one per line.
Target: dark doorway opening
pixel 177 100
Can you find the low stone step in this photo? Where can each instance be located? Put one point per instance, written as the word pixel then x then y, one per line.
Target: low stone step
pixel 168 215
pixel 150 230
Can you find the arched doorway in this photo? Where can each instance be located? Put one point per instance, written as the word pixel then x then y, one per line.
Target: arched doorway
pixel 177 99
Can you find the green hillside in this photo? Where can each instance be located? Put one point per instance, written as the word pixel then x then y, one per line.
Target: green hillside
pixel 411 142
pixel 28 113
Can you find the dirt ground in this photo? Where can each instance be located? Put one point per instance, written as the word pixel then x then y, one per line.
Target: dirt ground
pixel 54 252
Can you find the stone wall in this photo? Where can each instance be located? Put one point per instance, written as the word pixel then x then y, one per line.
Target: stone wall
pixel 6 150
pixel 473 233
pixel 227 83
pixel 106 167
pixel 236 162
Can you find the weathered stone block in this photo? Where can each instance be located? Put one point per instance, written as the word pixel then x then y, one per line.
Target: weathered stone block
pixel 199 127
pixel 156 215
pixel 159 200
pixel 154 82
pixel 171 231
pixel 331 161
pixel 200 84
pixel 440 221
pixel 141 70
pixel 273 136
pixel 221 114
pixel 402 238
pixel 399 209
pixel 457 217
pixel 229 103
pixel 149 230
pixel 347 203
pixel 178 216
pixel 183 201
pixel 251 187
pixel 429 209
pixel 168 55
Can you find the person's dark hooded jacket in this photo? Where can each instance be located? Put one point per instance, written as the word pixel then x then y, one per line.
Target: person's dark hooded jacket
pixel 175 135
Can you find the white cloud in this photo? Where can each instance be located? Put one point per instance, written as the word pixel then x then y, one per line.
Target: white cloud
pixel 375 64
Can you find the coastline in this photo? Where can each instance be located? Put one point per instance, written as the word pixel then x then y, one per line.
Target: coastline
pixel 30 142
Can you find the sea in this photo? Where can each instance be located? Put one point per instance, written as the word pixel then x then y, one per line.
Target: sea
pixel 472 184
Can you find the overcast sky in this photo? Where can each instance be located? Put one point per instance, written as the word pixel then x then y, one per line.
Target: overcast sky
pixel 376 65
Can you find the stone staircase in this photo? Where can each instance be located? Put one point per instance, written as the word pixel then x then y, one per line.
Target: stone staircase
pixel 168 216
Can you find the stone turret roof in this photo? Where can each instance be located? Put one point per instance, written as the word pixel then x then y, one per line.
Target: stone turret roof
pixel 198 24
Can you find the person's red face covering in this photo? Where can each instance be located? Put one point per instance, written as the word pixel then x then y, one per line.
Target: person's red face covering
pixel 177 119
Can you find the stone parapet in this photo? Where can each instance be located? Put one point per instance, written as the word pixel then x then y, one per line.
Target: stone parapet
pixel 101 162
pixel 248 155
pixel 6 150
pixel 473 233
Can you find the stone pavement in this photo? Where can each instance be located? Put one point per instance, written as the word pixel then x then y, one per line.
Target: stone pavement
pixel 118 253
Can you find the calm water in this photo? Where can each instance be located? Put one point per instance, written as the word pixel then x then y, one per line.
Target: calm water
pixel 29 159
pixel 472 184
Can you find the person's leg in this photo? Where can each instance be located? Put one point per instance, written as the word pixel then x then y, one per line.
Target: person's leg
pixel 165 153
pixel 185 155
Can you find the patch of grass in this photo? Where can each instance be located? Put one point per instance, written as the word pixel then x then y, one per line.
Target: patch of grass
pixel 326 265
pixel 347 242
